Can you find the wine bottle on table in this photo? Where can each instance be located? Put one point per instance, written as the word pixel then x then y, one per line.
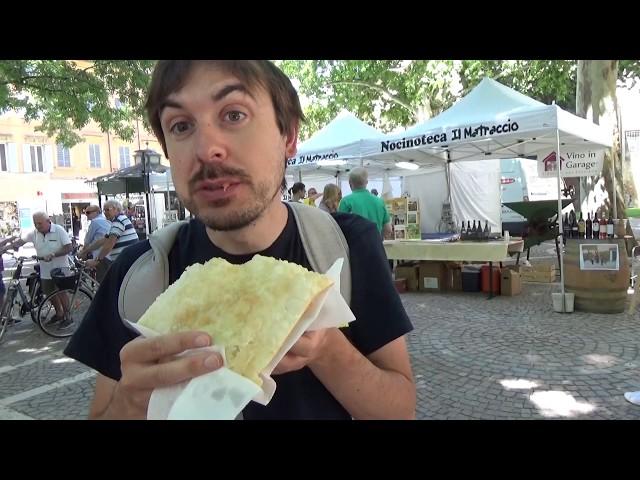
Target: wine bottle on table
pixel 610 226
pixel 574 226
pixel 596 226
pixel 581 227
pixel 588 226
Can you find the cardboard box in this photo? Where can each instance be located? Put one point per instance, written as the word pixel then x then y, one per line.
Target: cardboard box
pixel 411 273
pixel 540 277
pixel 510 283
pixel 433 277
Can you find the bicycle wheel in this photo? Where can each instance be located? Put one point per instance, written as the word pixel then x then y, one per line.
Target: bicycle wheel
pixel 5 314
pixel 63 328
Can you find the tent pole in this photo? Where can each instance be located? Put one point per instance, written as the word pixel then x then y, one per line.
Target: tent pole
pixel 613 161
pixel 558 167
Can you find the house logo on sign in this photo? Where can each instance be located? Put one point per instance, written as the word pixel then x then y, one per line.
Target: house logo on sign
pixel 550 162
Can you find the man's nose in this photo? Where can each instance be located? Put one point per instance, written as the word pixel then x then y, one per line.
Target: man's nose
pixel 211 144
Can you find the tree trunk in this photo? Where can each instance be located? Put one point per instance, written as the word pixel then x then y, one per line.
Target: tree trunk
pixel 596 101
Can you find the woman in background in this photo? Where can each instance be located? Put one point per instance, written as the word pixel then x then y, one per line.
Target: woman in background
pixel 330 198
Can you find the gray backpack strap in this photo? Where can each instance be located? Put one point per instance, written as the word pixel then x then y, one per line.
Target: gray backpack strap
pixel 323 243
pixel 148 277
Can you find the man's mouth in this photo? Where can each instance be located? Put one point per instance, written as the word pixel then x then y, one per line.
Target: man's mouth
pixel 218 189
pixel 219 184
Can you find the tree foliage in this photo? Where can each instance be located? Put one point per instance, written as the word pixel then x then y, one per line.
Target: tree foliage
pixel 65 96
pixel 398 93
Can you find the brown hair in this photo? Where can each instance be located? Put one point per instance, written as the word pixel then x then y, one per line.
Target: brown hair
pixel 331 196
pixel 169 76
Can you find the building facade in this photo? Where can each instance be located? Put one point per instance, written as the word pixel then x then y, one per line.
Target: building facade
pixel 38 174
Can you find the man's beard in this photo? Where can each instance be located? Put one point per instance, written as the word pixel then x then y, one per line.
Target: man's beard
pixel 262 195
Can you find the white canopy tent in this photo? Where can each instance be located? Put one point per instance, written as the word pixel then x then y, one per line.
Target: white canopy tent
pixel 493 122
pixel 333 150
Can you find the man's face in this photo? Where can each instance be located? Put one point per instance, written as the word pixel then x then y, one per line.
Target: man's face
pixel 110 213
pixel 312 191
pixel 42 224
pixel 226 152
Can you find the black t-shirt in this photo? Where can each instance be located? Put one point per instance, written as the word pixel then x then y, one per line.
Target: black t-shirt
pixel 380 315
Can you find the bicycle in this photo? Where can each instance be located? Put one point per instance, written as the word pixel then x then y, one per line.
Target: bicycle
pixel 16 296
pixel 78 288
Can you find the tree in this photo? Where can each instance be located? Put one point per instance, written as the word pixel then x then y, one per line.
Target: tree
pixel 596 100
pixel 396 93
pixel 64 96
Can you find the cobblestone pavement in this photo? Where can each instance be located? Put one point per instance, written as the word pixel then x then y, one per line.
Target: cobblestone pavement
pixel 473 358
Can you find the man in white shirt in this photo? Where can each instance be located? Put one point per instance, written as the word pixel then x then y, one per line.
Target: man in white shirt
pixel 52 244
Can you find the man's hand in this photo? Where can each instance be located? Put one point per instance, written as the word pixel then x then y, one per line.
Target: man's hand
pixel 309 348
pixel 91 263
pixel 48 258
pixel 82 254
pixel 149 363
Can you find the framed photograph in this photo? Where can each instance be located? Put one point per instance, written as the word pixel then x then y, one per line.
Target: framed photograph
pixel 412 217
pixel 602 256
pixel 412 206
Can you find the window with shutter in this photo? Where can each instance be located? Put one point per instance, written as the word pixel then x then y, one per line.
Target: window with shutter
pixel 64 156
pixel 4 167
pixel 37 158
pixel 125 159
pixel 94 156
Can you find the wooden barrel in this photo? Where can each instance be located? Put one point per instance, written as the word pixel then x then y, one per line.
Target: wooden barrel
pixel 597 286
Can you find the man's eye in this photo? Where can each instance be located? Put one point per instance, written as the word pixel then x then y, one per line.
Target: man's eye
pixel 235 116
pixel 179 127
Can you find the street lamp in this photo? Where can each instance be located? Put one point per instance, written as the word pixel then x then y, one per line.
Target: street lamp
pixel 150 161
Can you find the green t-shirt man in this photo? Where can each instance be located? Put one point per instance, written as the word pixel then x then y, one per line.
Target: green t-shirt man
pixel 363 203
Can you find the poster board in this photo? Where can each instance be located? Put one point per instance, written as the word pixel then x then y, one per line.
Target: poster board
pixel 599 256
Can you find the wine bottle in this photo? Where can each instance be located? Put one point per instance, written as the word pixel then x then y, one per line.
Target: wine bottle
pixel 596 226
pixel 610 226
pixel 463 230
pixel 588 226
pixel 486 230
pixel 574 225
pixel 581 227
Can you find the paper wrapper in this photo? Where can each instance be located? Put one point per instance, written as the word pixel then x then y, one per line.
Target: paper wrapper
pixel 223 394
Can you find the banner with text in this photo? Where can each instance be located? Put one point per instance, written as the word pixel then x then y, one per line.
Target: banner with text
pixel 573 163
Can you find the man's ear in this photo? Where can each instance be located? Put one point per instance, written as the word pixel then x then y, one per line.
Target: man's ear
pixel 291 145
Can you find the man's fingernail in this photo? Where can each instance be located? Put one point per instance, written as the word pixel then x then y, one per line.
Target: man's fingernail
pixel 202 341
pixel 212 361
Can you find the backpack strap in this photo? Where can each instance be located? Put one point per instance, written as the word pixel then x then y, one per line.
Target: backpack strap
pixel 323 242
pixel 148 277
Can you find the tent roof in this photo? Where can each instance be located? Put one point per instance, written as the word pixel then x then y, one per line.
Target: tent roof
pixel 342 138
pixel 488 100
pixel 343 130
pixel 492 121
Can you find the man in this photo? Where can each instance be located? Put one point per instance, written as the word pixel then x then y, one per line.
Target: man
pixel 52 244
pixel 298 192
pixel 228 128
pixel 121 234
pixel 363 203
pixel 98 230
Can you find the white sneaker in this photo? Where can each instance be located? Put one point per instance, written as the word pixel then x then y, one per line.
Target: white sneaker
pixel 633 397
